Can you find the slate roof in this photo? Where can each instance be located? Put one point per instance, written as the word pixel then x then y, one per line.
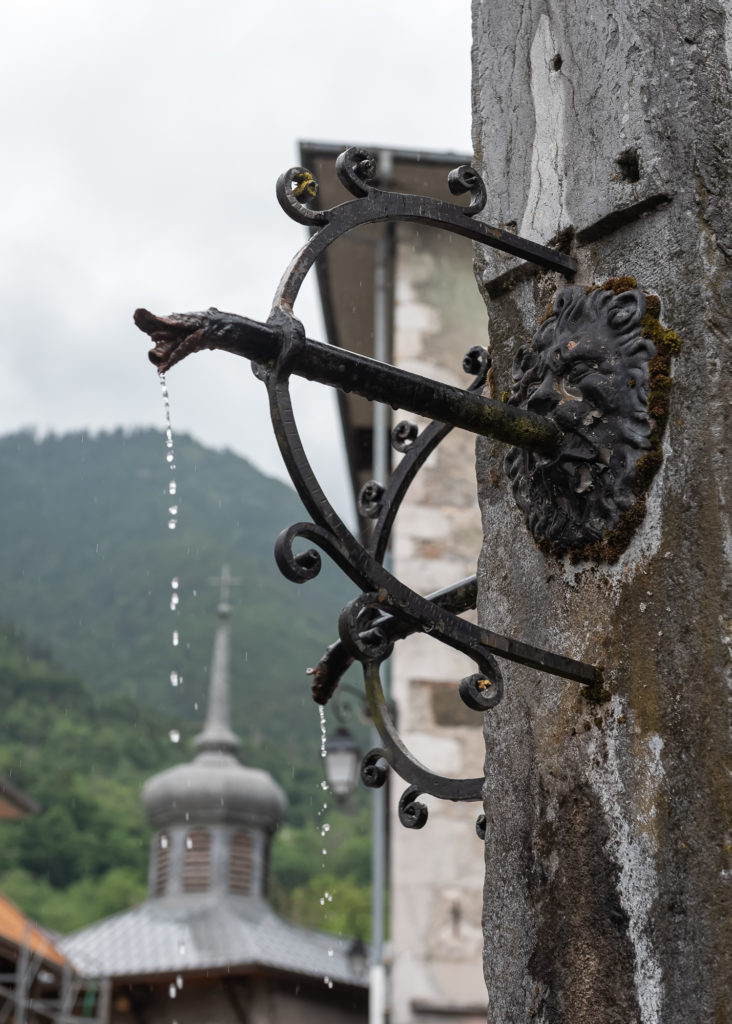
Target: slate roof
pixel 170 936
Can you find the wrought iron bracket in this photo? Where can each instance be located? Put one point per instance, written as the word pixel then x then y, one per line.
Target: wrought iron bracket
pixel 386 609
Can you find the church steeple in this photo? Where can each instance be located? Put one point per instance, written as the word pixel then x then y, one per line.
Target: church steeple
pixel 214 816
pixel 217 734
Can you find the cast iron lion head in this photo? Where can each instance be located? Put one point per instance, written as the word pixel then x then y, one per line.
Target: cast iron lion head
pixel 587 369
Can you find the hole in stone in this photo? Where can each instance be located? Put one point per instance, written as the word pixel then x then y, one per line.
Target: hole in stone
pixel 557 62
pixel 629 164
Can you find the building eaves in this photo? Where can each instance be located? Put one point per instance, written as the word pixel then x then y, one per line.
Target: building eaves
pixel 191 934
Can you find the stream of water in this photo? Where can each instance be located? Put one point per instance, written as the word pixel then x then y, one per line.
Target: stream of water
pixel 324 828
pixel 176 679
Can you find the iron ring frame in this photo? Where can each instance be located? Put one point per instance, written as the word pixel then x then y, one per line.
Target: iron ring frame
pixel 386 609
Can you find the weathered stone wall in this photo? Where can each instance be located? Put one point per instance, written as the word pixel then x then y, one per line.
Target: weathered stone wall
pixel 607 895
pixel 437 873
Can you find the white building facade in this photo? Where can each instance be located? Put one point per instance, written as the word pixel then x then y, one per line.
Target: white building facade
pixel 434 315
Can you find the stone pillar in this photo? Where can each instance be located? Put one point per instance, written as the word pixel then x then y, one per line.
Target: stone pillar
pixel 607 895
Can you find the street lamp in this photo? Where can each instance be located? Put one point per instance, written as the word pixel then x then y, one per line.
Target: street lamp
pixel 342 762
pixel 358 957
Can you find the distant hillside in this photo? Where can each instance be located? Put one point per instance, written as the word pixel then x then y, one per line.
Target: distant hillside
pixel 86 560
pixel 84 760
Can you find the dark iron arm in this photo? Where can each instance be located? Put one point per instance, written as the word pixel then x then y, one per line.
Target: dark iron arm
pixel 458 598
pixel 180 334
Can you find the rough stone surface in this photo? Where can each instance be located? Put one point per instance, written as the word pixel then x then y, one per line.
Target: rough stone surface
pixel 608 878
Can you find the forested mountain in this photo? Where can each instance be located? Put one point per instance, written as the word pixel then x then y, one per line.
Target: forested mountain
pixel 83 759
pixel 86 561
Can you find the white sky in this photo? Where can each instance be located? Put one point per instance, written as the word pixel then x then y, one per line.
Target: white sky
pixel 140 146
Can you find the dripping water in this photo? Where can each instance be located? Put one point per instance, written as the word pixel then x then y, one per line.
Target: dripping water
pixel 323 732
pixel 176 679
pixel 169 456
pixel 324 828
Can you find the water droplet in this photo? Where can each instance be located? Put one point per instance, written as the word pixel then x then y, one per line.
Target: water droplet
pixel 174 678
pixel 324 785
pixel 322 901
pixel 174 736
pixel 172 990
pixel 195 706
pixel 174 601
pixel 189 843
pixel 330 952
pixel 325 828
pixel 182 948
pixel 174 583
pixel 321 712
pixel 172 487
pixel 169 458
pixel 176 638
pixel 163 842
pixel 173 509
pixel 325 853
pixel 179 981
pixel 172 524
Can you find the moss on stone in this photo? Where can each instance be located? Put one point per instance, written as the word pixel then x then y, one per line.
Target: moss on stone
pixel 646 468
pixel 616 285
pixel 653 306
pixel 549 311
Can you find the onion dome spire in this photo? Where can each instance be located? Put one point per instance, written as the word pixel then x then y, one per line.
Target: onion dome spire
pixel 217 734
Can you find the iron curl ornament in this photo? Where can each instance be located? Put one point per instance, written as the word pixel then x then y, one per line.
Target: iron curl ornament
pixel 386 610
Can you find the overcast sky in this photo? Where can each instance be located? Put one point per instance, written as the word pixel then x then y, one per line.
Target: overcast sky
pixel 141 142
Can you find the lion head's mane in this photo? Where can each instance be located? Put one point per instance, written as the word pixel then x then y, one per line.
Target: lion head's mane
pixel 586 368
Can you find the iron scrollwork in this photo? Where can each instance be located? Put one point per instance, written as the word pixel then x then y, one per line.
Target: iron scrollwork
pixel 386 609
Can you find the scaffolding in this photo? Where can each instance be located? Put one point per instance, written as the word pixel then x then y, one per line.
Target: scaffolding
pixel 35 989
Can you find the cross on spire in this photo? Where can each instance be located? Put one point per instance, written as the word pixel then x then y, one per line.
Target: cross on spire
pixel 225 582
